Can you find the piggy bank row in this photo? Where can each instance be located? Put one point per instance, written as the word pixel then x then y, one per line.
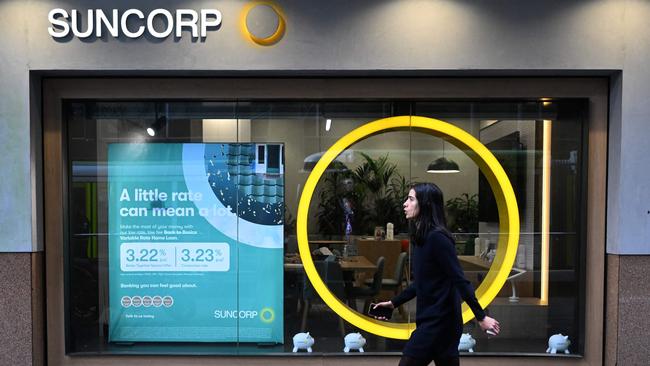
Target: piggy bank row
pixel 556 343
pixel 353 341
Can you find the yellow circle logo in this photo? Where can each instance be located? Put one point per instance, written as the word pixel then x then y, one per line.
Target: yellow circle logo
pixel 267 315
pixel 263 22
pixel 489 166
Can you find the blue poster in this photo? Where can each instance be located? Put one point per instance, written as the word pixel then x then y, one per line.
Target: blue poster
pixel 196 242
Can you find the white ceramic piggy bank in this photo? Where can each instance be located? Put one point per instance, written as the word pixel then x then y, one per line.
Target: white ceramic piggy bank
pixel 302 341
pixel 354 341
pixel 467 343
pixel 558 343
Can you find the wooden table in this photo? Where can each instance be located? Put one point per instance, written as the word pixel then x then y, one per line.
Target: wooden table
pixel 355 269
pixel 357 263
pixel 326 243
pixel 474 263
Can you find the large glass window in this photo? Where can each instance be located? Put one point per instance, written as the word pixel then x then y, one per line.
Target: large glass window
pixel 182 221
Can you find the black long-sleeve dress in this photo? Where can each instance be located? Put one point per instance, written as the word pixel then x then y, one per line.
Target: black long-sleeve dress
pixel 439 284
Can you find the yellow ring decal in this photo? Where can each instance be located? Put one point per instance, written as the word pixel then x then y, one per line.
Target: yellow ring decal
pixel 271 316
pixel 279 32
pixel 487 163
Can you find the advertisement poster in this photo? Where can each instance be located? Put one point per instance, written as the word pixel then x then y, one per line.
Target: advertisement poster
pixel 196 241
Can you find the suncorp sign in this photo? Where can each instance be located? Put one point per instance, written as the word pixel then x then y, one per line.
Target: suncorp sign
pixel 132 23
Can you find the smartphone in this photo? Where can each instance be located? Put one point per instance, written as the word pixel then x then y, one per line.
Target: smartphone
pixel 380 312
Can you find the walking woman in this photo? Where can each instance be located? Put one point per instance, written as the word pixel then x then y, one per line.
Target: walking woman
pixel 438 282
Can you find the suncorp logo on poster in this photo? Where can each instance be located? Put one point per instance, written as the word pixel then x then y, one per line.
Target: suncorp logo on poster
pixel 234 314
pixel 267 315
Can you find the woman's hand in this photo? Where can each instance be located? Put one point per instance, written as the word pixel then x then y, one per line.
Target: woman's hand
pixel 489 324
pixel 385 304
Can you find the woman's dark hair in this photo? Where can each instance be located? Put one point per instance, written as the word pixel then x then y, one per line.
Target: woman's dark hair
pixel 431 215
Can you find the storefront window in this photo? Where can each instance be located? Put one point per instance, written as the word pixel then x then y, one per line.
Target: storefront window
pixel 182 222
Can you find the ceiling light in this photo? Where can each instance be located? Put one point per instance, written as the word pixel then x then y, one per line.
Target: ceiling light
pixel 156 126
pixel 335 166
pixel 443 165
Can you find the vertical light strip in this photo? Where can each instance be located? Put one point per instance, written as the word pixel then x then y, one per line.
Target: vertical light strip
pixel 93 197
pixel 546 201
pixel 89 240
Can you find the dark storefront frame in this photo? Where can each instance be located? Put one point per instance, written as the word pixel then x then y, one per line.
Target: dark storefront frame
pixel 56 90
